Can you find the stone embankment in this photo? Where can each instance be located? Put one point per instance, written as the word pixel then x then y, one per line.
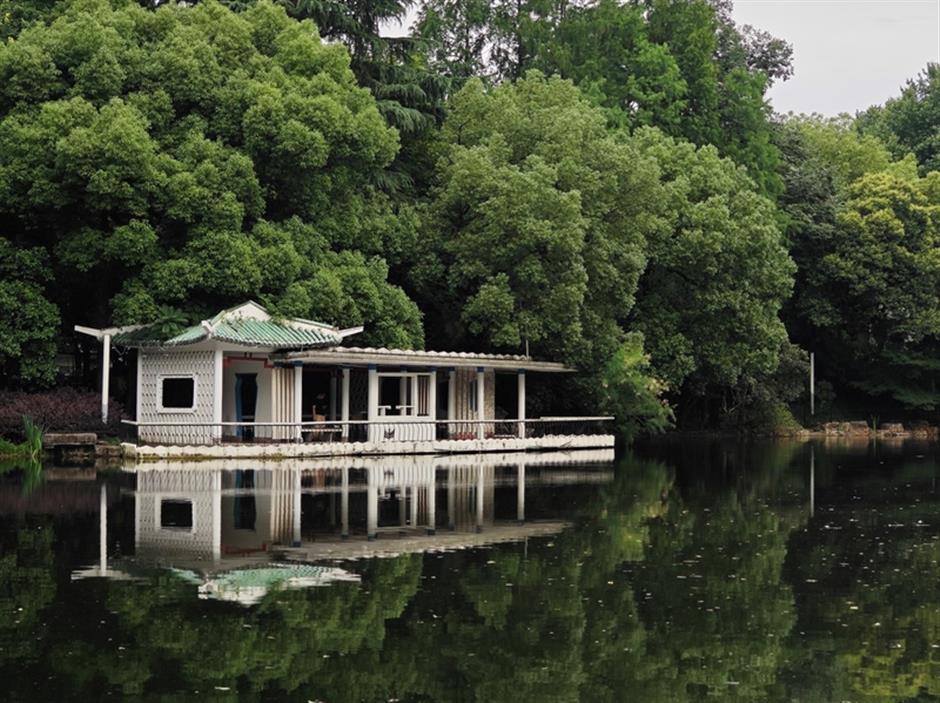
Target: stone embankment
pixel 860 428
pixel 79 448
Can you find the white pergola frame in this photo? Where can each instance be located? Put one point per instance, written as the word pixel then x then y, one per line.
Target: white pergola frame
pixel 104 336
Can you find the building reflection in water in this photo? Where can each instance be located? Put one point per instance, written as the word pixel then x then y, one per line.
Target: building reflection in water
pixel 236 532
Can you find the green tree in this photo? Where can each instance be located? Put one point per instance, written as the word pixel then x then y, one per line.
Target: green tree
pixel 30 323
pixel 632 394
pixel 877 280
pixel 537 224
pixel 911 122
pixel 605 49
pixel 849 154
pixel 193 157
pixel 409 94
pixel 718 274
pixel 726 74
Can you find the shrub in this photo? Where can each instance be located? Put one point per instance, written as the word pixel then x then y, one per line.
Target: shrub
pixel 59 410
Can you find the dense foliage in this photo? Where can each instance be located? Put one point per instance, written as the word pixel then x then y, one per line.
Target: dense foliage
pixel 593 181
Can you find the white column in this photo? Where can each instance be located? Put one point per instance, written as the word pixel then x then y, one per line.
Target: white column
pixel 344 403
pixel 217 396
pixel 103 530
pixel 372 505
pixel 520 412
pixel 480 498
pixel 414 505
pixel 451 401
pixel 432 502
pixel 298 509
pixel 344 505
pixel 373 393
pixel 520 493
pixel 812 383
pixel 481 384
pixel 298 399
pixel 451 498
pixel 432 403
pixel 403 506
pixel 105 377
pixel 372 433
pixel 137 500
pixel 216 525
pixel 812 480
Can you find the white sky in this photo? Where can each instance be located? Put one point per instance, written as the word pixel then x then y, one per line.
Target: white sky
pixel 847 54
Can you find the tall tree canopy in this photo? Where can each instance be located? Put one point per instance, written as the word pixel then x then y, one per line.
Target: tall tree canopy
pixel 862 228
pixel 190 157
pixel 718 272
pixel 911 122
pixel 537 224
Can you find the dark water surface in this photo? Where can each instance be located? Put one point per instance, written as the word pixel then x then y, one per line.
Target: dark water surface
pixel 687 571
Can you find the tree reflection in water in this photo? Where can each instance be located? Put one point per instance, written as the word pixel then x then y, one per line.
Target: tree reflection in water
pixel 696 573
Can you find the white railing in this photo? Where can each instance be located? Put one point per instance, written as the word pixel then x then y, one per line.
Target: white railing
pixel 385 429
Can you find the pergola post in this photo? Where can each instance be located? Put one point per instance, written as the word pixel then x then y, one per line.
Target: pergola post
pixel 520 412
pixel 105 376
pixel 481 414
pixel 344 403
pixel 103 529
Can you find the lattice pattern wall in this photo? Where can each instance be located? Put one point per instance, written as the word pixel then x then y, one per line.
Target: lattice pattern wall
pixel 203 489
pixel 155 364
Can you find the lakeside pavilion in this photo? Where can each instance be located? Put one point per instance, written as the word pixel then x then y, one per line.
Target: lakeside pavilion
pixel 245 383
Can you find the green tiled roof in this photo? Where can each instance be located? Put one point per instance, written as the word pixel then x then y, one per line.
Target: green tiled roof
pixel 230 326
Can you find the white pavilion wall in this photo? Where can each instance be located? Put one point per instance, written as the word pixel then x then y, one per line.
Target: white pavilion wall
pixel 203 490
pixel 263 375
pixel 181 429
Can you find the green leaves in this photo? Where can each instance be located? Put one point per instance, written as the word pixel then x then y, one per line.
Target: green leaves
pixel 159 157
pixel 718 274
pixel 30 323
pixel 631 392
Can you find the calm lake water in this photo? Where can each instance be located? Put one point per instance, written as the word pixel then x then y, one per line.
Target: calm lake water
pixel 686 571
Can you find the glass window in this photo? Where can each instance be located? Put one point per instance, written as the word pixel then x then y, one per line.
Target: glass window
pixel 176 514
pixel 178 393
pixel 472 392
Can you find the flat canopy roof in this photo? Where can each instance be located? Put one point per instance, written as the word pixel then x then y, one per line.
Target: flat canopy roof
pixel 361 356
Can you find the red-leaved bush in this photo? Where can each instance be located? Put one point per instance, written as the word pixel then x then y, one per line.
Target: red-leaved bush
pixel 59 410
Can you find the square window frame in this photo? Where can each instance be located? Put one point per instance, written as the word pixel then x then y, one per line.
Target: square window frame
pixel 160 499
pixel 189 411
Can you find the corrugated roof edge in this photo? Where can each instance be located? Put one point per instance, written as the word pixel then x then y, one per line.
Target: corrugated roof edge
pixel 430 352
pixel 504 360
